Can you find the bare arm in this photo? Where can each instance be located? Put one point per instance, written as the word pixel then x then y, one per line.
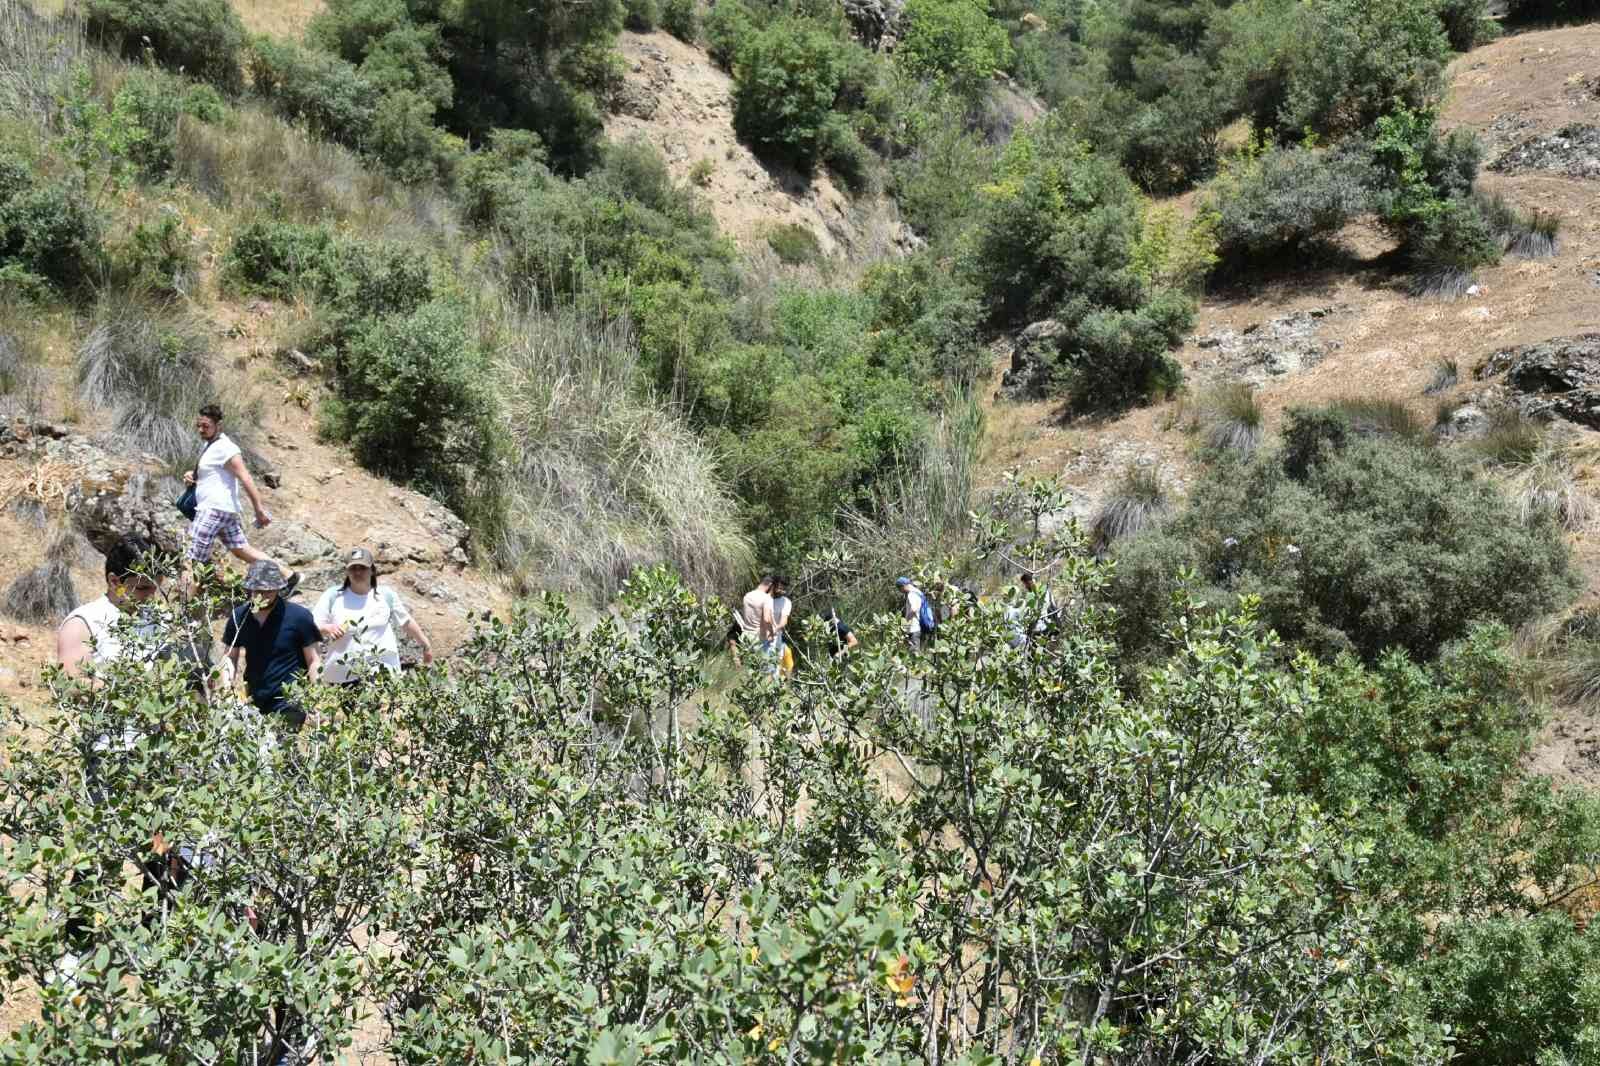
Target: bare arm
pixel 239 470
pixel 233 657
pixel 72 646
pixel 313 663
pixel 414 631
pixel 850 641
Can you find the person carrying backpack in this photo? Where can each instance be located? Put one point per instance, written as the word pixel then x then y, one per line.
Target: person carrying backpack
pixel 920 623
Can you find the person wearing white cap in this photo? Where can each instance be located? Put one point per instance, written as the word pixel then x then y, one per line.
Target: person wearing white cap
pixel 360 618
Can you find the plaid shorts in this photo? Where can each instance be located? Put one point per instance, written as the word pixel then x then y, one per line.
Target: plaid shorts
pixel 210 526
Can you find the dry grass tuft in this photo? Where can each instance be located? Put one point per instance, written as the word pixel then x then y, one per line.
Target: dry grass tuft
pixel 37 51
pixel 45 594
pixel 1546 488
pixel 602 483
pixel 1512 438
pixel 1138 502
pixel 1445 376
pixel 1379 416
pixel 1230 416
pixel 152 369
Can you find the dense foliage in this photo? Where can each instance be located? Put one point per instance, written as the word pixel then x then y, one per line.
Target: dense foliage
pixel 1353 542
pixel 200 37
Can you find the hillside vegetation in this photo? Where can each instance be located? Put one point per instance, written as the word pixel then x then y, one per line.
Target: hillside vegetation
pixel 1246 788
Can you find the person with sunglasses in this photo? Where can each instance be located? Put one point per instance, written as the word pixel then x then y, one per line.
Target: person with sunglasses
pixel 93 634
pixel 278 639
pixel 360 619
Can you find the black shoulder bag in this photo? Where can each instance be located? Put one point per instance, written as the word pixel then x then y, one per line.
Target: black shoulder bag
pixel 188 503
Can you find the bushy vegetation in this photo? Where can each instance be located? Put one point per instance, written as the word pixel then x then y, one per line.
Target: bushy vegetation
pixel 50 236
pixel 1355 538
pixel 203 38
pixel 1057 237
pixel 508 829
pixel 1285 200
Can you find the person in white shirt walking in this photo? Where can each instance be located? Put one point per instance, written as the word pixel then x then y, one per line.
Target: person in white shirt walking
pixel 217 478
pixel 360 619
pixel 914 598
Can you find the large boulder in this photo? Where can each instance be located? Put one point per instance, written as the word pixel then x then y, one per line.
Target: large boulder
pixel 1033 360
pixel 878 24
pixel 1554 377
pixel 110 496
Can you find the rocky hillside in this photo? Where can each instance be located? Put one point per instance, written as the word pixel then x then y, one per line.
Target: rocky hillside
pixel 1349 328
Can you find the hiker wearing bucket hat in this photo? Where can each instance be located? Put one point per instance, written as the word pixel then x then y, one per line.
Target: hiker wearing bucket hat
pixel 279 641
pixel 359 618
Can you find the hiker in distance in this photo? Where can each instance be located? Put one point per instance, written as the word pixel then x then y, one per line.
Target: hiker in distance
pixel 917 612
pixel 279 641
pixel 840 636
pixel 359 619
pixel 90 634
pixel 216 479
pixel 781 607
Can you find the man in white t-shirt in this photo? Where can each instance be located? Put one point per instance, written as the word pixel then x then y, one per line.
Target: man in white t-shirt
pixel 91 634
pixel 360 618
pixel 911 611
pixel 217 478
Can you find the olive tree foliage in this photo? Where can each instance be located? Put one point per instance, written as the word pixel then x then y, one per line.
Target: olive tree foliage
pixel 561 847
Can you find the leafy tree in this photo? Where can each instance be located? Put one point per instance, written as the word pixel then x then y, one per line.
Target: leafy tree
pixel 786 80
pixel 954 42
pixel 49 234
pixel 567 872
pixel 203 38
pixel 1286 199
pixel 1058 236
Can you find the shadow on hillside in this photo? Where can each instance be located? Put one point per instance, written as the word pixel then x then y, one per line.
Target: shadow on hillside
pixel 1309 272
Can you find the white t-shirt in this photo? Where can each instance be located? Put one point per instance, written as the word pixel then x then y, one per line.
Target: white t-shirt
pixel 216 489
pixel 913 609
pixel 101 618
pixel 371 619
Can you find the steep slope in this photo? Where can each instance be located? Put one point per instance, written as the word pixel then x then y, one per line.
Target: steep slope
pixel 675 98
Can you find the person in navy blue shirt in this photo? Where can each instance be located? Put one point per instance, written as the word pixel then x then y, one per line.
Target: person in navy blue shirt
pixel 279 640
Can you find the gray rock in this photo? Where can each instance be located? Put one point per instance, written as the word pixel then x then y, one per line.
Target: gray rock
pixel 290 542
pixel 1468 420
pixel 877 23
pixel 1572 150
pixel 112 497
pixel 1559 377
pixel 1033 360
pixel 635 100
pixel 1265 350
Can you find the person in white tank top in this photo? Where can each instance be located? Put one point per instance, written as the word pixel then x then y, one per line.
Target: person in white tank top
pixel 89 635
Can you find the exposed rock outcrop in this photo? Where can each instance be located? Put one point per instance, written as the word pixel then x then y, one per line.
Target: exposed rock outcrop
pixel 1033 360
pixel 1559 377
pixel 1267 349
pixel 1572 150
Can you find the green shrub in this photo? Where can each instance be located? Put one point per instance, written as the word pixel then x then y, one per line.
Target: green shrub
pixel 202 38
pixel 411 403
pixel 729 24
pixel 794 244
pixel 1287 199
pixel 1372 543
pixel 158 257
pixel 1333 66
pixel 1466 23
pixel 1446 247
pixel 641 16
pixel 325 92
pixel 954 43
pixel 681 19
pixel 49 235
pixel 937 180
pixel 786 79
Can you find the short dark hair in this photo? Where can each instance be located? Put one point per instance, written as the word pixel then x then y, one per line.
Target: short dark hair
pixel 130 555
pixel 211 411
pixel 779 579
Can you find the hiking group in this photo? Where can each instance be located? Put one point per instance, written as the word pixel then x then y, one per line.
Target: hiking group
pixel 762 620
pixel 350 638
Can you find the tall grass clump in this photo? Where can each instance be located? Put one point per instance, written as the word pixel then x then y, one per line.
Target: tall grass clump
pixel 36 54
pixel 20 380
pixel 1511 439
pixel 1546 488
pixel 1136 503
pixel 1230 418
pixel 1445 375
pixel 919 513
pixel 151 369
pixel 1528 234
pixel 601 481
pixel 44 594
pixel 1377 416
